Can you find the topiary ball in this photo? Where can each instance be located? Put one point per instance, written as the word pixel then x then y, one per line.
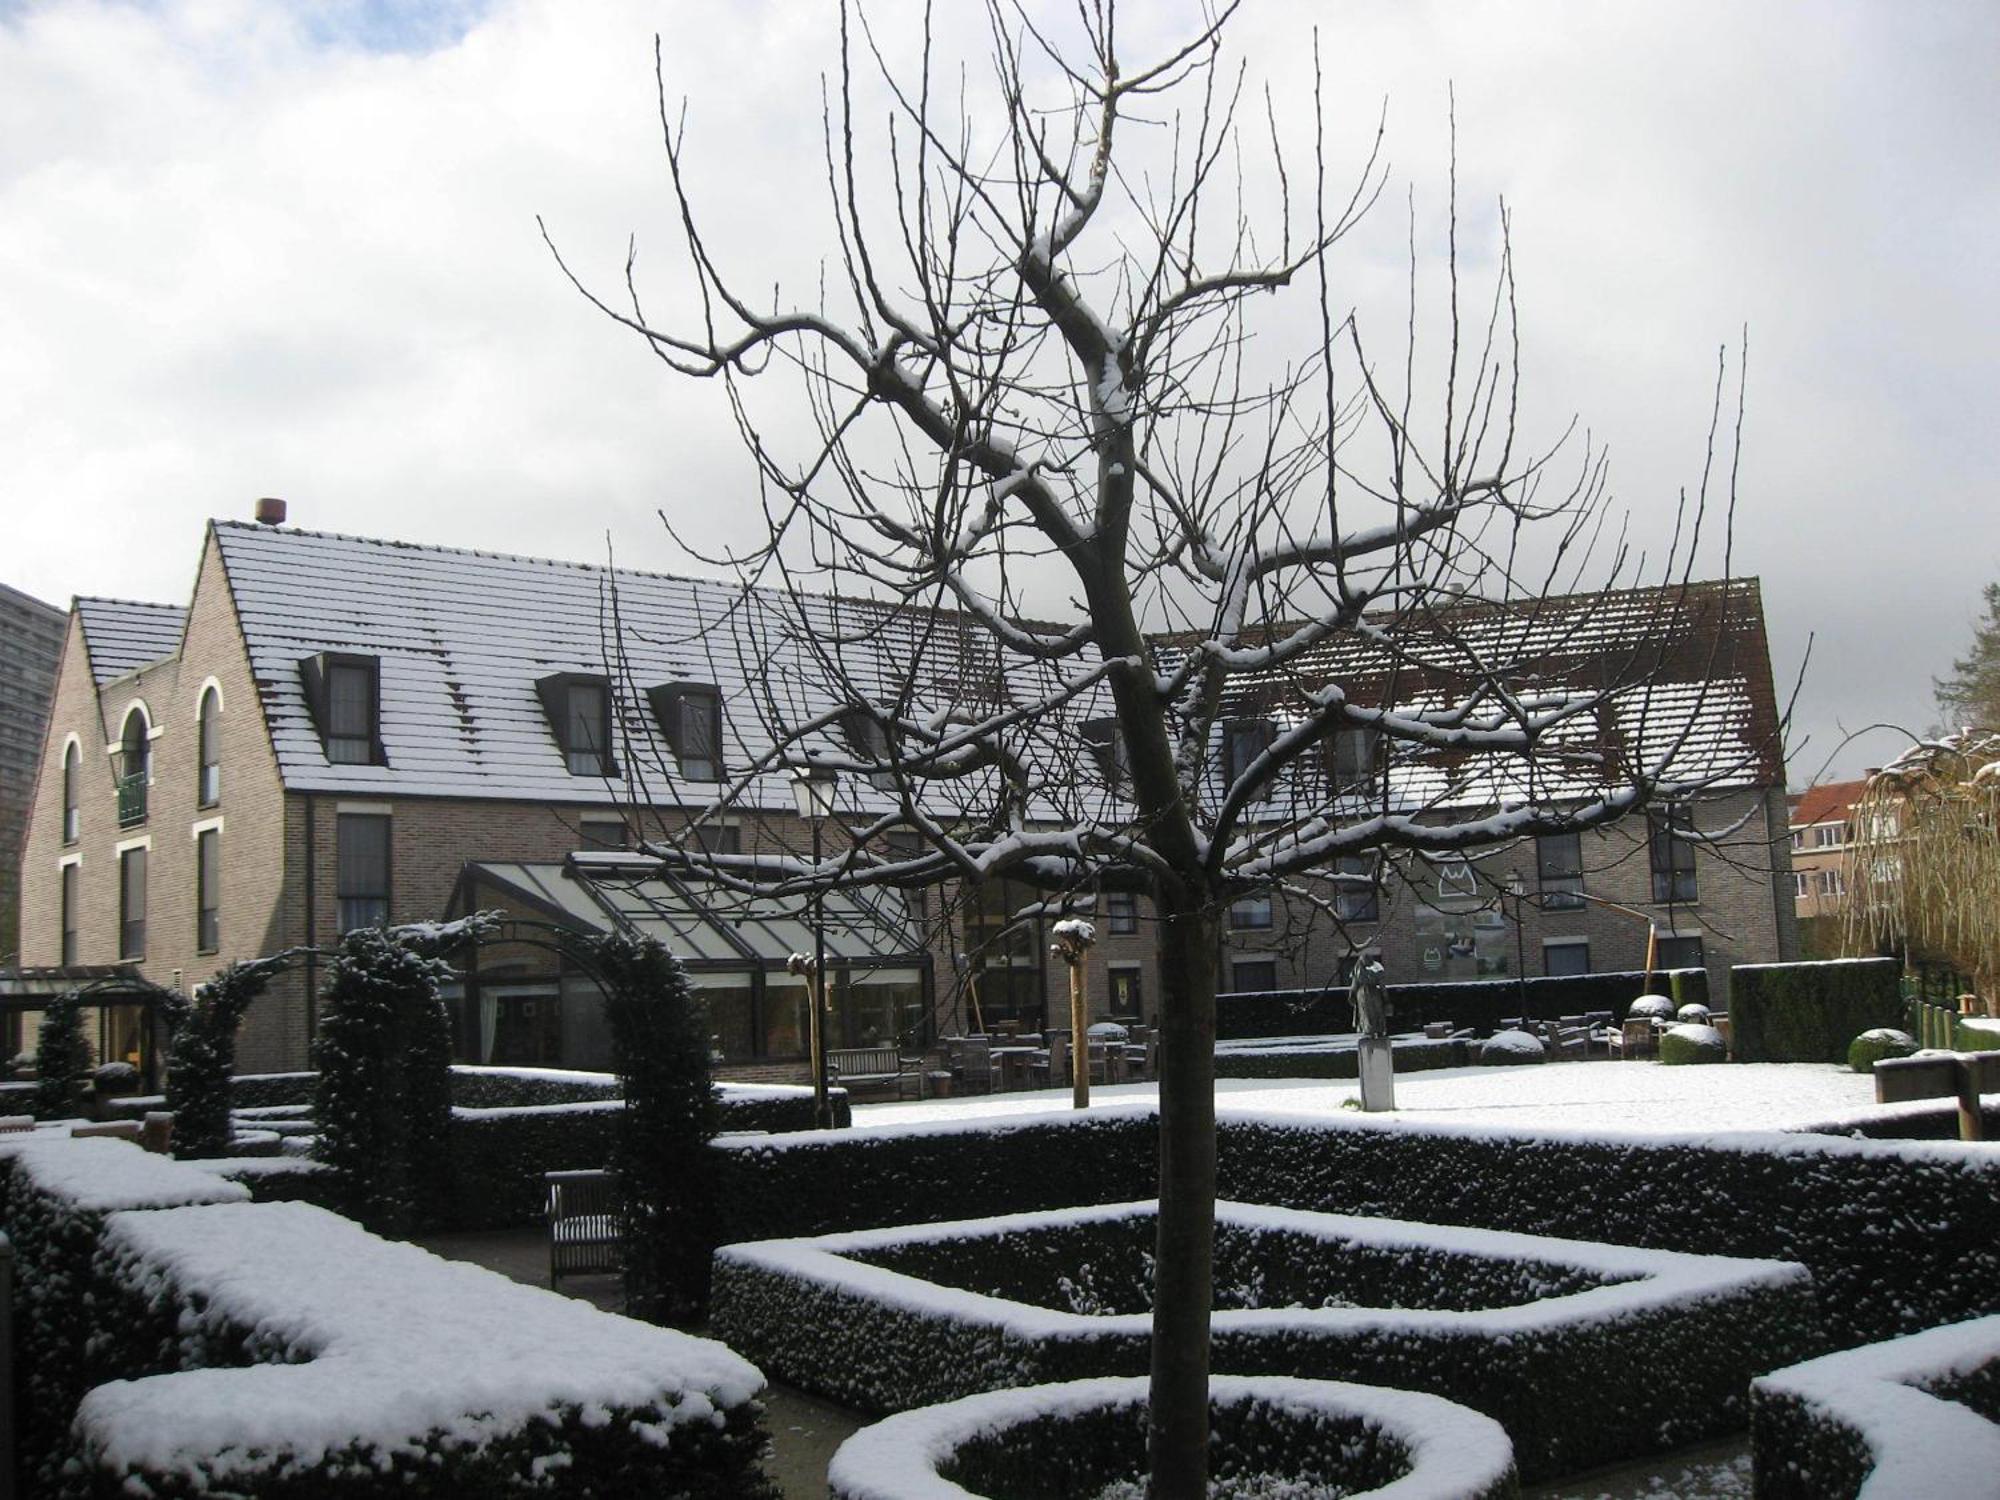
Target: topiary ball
pixel 1505 1048
pixel 1693 1044
pixel 1692 1014
pixel 1657 1007
pixel 1871 1047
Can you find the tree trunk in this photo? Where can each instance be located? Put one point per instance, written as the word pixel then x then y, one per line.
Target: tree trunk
pixel 1183 1274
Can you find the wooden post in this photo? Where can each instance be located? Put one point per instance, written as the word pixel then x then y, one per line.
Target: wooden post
pixel 1971 1125
pixel 1072 944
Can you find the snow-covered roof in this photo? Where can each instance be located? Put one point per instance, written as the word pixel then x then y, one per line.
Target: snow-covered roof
pixel 124 634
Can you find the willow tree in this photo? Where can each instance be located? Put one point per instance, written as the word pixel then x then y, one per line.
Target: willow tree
pixel 1924 857
pixel 1077 338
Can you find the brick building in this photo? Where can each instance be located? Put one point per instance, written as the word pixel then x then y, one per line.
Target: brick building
pixel 336 731
pixel 1820 827
pixel 30 642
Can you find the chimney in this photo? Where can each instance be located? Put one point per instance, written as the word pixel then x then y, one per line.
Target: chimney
pixel 270 511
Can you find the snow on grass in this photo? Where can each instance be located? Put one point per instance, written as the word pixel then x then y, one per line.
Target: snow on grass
pixel 1599 1097
pixel 398 1346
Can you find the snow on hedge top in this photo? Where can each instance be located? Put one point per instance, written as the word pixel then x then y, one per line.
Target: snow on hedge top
pixel 1513 1041
pixel 1634 1279
pixel 1453 1451
pixel 102 1174
pixel 399 1346
pixel 1921 1445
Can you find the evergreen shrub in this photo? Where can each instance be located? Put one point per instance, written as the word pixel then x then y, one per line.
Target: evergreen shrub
pixel 1510 1049
pixel 62 1061
pixel 1809 1012
pixel 202 1060
pixel 1689 1043
pixel 1877 1043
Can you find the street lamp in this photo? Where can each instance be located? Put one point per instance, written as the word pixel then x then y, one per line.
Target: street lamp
pixel 813 789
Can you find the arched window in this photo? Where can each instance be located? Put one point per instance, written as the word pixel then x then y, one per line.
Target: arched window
pixel 208 792
pixel 135 767
pixel 72 825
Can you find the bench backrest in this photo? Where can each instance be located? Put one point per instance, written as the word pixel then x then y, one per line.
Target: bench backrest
pixel 850 1061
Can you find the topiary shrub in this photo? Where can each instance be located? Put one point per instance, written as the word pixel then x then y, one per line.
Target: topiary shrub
pixel 1877 1043
pixel 1809 1012
pixel 1652 1008
pixel 1693 1044
pixel 384 1098
pixel 62 1061
pixel 666 1178
pixel 1692 1015
pixel 1505 1048
pixel 203 1055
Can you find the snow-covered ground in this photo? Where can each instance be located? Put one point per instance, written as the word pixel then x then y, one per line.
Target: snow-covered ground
pixel 1597 1096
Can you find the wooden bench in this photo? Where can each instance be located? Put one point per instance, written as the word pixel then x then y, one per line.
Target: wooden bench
pixel 857 1068
pixel 583 1225
pixel 1963 1076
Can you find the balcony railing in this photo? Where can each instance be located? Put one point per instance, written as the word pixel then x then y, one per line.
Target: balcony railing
pixel 131 799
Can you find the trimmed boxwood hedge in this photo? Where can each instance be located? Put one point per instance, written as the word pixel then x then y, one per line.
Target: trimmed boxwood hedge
pixel 1914 1416
pixel 1898 1235
pixel 1569 1346
pixel 1809 1012
pixel 1478 1004
pixel 1269 1436
pixel 1330 1060
pixel 250 1090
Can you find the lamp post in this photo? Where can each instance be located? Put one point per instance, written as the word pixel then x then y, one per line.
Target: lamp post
pixel 813 788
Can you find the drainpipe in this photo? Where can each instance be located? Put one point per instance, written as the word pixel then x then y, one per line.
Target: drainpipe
pixel 311 876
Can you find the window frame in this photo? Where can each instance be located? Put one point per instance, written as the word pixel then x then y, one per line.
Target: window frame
pixel 1106 742
pixel 1354 771
pixel 132 929
pixel 1566 945
pixel 671 702
pixel 208 748
pixel 72 810
pixel 71 898
pixel 1354 904
pixel 317 675
pixel 1237 966
pixel 1550 879
pixel 585 823
pixel 342 894
pixel 1127 977
pixel 1243 741
pixel 1253 912
pixel 558 693
pixel 1121 913
pixel 1671 858
pixel 207 890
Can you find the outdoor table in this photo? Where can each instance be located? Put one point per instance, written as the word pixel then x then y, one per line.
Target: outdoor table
pixel 1012 1061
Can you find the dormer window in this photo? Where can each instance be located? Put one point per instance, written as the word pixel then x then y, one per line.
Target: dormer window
pixel 1107 746
pixel 344 692
pixel 579 708
pixel 868 737
pixel 1243 740
pixel 1354 754
pixel 690 716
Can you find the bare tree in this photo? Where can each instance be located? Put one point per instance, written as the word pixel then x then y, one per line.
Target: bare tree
pixel 1081 341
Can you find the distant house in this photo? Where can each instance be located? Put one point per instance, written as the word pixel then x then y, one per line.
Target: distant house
pixel 30 641
pixel 337 732
pixel 1821 828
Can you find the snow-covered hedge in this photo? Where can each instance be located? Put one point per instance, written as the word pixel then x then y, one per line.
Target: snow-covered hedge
pixel 1692 1043
pixel 249 1090
pixel 1899 1235
pixel 1572 1347
pixel 1477 1003
pixel 1271 1437
pixel 1809 1012
pixel 500 1088
pixel 55 1195
pixel 1327 1057
pixel 386 1371
pixel 1908 1419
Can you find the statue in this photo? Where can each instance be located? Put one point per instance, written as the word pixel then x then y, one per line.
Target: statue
pixel 1371 1006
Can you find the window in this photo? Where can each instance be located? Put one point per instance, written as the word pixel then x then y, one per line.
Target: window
pixel 362 870
pixel 1125 998
pixel 1830 883
pixel 1243 740
pixel 1107 747
pixel 1829 835
pixel 135 768
pixel 1798 838
pixel 1671 854
pixel 208 890
pixel 1253 975
pixel 1563 956
pixel 72 817
pixel 690 714
pixel 1559 862
pixel 208 781
pixel 1355 751
pixel 344 692
pixel 1251 911
pixel 132 903
pixel 603 833
pixel 72 874
pixel 718 838
pixel 578 706
pixel 1679 953
pixel 1354 901
pixel 1802 883
pixel 1121 912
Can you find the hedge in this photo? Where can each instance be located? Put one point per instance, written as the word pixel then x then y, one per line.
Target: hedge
pixel 1587 1354
pixel 250 1090
pixel 1269 1436
pixel 1480 1005
pixel 1898 1235
pixel 1913 1416
pixel 388 1371
pixel 1328 1058
pixel 1810 1012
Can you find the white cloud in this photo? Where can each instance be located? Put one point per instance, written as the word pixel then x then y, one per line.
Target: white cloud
pixel 248 249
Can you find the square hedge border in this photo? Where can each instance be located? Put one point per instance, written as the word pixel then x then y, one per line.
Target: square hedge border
pixel 1575 1374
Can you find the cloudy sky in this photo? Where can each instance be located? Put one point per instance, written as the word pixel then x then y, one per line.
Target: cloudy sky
pixel 290 249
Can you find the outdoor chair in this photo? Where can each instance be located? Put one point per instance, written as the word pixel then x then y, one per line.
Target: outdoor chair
pixel 583 1225
pixel 1050 1067
pixel 972 1064
pixel 1633 1039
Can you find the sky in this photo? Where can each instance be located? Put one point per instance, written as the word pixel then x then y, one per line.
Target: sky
pixel 260 249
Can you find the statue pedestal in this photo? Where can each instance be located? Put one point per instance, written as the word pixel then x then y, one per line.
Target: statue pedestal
pixel 1378 1074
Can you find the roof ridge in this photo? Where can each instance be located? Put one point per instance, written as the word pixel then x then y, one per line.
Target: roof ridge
pixel 129 603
